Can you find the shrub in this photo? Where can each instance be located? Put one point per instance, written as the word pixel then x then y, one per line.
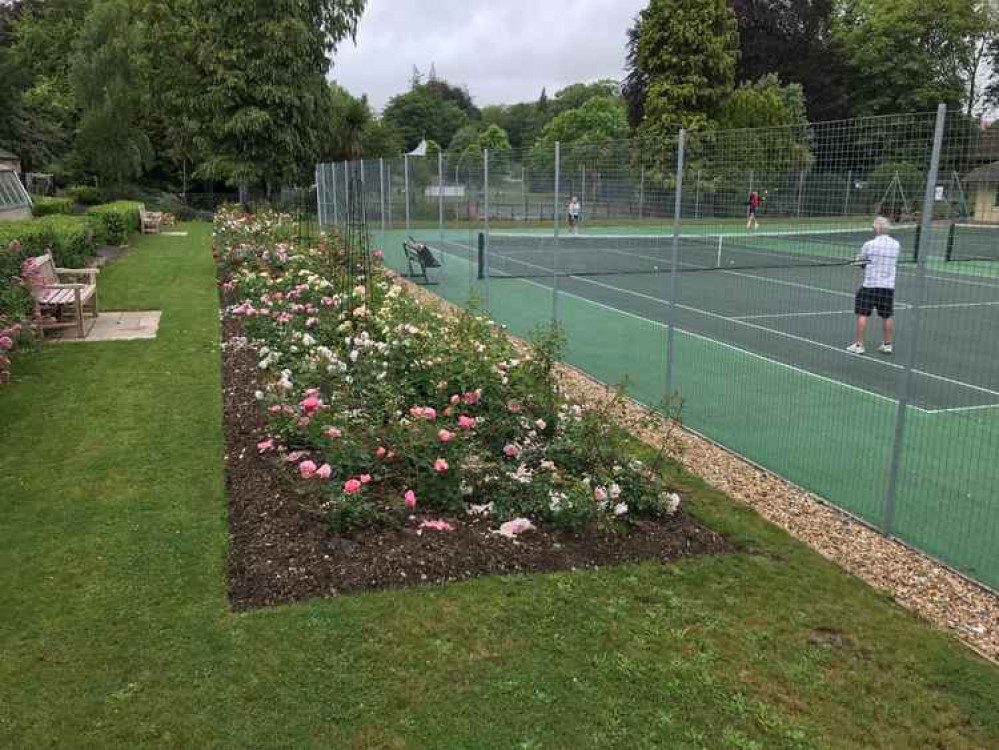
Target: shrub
pixel 72 240
pixel 117 220
pixel 45 206
pixel 87 195
pixel 393 408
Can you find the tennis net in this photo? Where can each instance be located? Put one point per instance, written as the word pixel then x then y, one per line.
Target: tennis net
pixel 973 242
pixel 541 255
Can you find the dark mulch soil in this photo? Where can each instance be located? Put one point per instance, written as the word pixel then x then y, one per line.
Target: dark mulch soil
pixel 281 551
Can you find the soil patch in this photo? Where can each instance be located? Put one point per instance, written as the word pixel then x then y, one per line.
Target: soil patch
pixel 280 550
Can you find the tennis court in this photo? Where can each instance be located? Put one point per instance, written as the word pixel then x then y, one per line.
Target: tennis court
pixel 760 361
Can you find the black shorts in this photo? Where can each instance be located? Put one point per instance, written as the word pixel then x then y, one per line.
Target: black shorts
pixel 751 211
pixel 871 298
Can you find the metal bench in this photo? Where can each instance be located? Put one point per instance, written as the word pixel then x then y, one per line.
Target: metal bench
pixel 419 256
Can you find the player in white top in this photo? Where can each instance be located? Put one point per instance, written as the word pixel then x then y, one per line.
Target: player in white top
pixel 574 211
pixel 879 258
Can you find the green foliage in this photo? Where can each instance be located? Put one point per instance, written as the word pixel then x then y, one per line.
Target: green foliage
pixel 355 131
pixel 45 205
pixel 907 55
pixel 577 94
pixel 599 124
pixel 424 112
pixel 71 239
pixel 764 104
pixel 87 195
pixel 686 53
pixel 117 220
pixel 106 81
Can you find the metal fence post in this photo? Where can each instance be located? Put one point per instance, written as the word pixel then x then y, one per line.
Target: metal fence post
pixel 912 344
pixel 801 189
pixel 555 199
pixel 582 191
pixel 641 195
pixel 675 260
pixel 846 200
pixel 381 195
pixel 697 196
pixel 346 193
pixel 319 194
pixel 485 205
pixel 440 197
pixel 336 215
pixel 405 170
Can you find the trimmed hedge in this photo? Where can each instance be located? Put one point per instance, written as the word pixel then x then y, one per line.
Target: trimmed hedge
pixel 45 206
pixel 117 220
pixel 72 239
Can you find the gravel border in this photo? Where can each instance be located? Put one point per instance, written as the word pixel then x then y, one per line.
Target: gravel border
pixel 917 582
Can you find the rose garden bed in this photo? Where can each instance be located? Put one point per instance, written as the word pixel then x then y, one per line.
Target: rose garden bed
pixel 373 441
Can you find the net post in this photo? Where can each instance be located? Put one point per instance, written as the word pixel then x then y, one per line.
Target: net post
pixel 697 196
pixel 555 199
pixel 405 170
pixel 582 193
pixel 846 199
pixel 951 237
pixel 905 387
pixel 523 189
pixel 674 262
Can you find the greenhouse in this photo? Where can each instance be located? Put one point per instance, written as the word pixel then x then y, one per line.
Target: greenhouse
pixel 15 203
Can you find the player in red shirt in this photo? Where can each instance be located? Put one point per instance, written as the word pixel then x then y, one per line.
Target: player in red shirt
pixel 753 204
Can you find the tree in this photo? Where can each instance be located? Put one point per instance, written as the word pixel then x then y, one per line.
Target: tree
pixel 635 87
pixel 457 95
pixel 466 136
pixel 908 55
pixel 521 121
pixel 794 39
pixel 106 81
pixel 596 125
pixel 577 94
pixel 764 103
pixel 262 98
pixel 687 54
pixel 424 112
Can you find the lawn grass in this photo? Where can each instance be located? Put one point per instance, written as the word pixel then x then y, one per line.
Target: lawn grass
pixel 115 628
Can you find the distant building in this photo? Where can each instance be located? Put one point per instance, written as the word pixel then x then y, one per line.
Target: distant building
pixel 10 161
pixel 983 185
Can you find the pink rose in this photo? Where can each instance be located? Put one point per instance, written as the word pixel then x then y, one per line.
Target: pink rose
pixel 311 405
pixel 445 437
pixel 472 397
pixel 381 452
pixel 275 409
pixel 325 471
pixel 456 399
pixel 466 423
pixel 265 445
pixel 511 451
pixel 307 469
pixel 410 499
pixel 513 407
pixel 440 466
pixel 352 486
pixel 365 479
pixel 333 432
pixel 6 343
pixel 379 254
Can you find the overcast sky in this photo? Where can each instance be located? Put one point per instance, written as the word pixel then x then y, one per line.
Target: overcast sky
pixel 504 51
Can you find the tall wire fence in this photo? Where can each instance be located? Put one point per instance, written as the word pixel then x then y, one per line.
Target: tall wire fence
pixel 723 267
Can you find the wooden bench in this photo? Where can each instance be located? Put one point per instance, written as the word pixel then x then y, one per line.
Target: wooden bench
pixel 152 221
pixel 419 256
pixel 59 304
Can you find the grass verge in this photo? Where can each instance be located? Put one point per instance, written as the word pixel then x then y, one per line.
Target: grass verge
pixel 116 631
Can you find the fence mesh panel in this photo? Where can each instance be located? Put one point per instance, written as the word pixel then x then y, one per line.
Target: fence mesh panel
pixel 763 228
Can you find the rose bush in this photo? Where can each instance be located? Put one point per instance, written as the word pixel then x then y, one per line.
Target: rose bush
pixel 395 408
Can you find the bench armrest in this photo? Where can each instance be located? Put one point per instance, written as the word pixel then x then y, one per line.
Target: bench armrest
pixel 64 286
pixel 91 272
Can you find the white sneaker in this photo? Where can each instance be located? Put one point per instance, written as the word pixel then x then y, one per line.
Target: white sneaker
pixel 885 348
pixel 856 348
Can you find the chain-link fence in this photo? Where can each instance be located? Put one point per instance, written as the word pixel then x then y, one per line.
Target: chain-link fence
pixel 723 267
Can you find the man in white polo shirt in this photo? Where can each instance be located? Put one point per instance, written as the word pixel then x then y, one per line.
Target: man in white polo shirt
pixel 879 258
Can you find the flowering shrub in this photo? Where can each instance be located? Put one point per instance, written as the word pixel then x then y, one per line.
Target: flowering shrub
pixel 395 408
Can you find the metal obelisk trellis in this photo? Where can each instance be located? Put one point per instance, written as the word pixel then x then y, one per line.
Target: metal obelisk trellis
pixel 356 243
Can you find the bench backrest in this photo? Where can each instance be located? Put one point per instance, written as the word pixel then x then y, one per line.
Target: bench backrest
pixel 42 273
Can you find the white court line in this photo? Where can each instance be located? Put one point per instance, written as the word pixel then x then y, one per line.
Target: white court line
pixel 980 407
pixel 796 314
pixel 773 331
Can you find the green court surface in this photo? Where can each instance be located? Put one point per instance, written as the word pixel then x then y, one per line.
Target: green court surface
pixel 761 366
